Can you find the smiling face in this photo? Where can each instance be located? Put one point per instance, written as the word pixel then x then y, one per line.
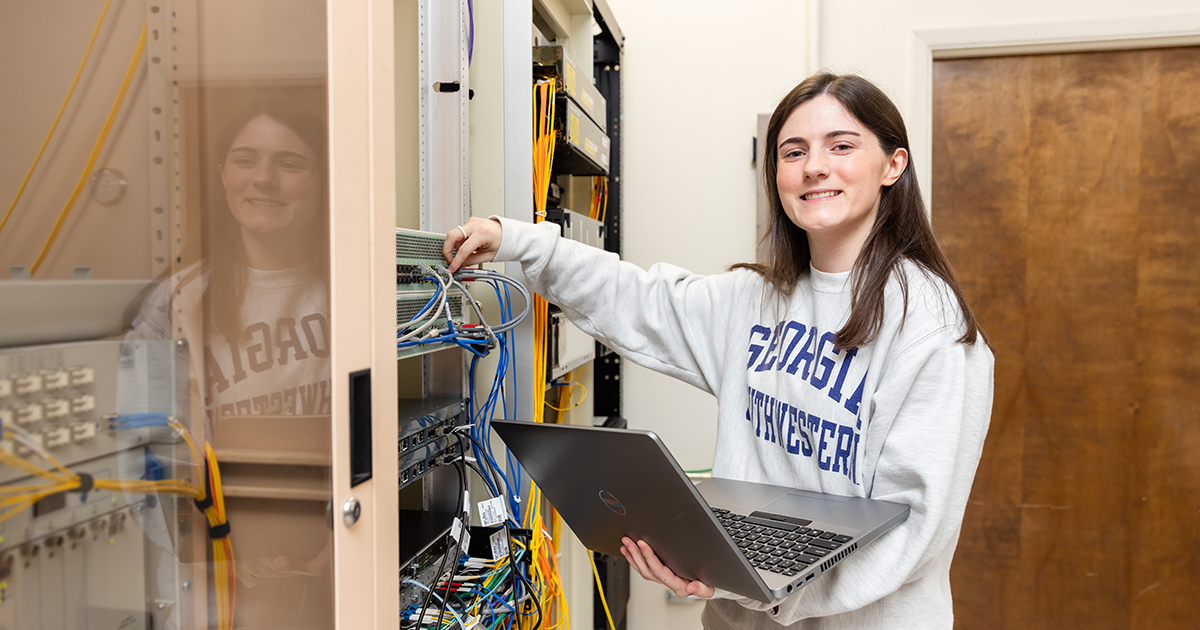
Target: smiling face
pixel 831 171
pixel 271 180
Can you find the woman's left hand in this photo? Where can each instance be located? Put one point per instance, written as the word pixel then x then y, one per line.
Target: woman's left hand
pixel 642 559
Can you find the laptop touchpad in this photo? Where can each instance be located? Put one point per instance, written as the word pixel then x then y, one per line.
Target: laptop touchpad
pixel 802 506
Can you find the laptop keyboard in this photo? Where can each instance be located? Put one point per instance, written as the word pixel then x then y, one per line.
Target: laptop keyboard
pixel 777 543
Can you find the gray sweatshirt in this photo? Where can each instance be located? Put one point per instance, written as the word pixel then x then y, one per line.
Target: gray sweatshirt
pixel 901 419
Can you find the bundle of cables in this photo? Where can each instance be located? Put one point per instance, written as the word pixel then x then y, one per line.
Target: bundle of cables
pixel 478 339
pixel 58 478
pixel 506 595
pixel 477 592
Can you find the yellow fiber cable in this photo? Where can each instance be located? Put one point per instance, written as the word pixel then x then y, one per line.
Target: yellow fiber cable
pixel 25 503
pixel 54 462
pixel 18 490
pixel 599 205
pixel 225 571
pixel 568 392
pixel 600 589
pixel 86 53
pixel 542 546
pixel 20 463
pixel 108 123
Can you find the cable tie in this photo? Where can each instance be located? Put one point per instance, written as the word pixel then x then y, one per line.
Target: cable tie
pixel 219 531
pixel 207 502
pixel 86 482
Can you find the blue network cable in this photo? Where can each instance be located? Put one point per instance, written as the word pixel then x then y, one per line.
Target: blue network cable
pixel 139 420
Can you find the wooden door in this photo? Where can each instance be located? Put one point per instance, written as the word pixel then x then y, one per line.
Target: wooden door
pixel 1066 189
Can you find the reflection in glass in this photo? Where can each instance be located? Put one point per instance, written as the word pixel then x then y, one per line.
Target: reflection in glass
pixel 221 207
pixel 254 310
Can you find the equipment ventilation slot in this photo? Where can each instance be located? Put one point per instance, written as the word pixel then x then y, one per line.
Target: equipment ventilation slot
pixel 825 566
pixel 408 307
pixel 419 246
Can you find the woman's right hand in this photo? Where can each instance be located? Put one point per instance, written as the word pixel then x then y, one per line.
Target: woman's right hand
pixel 476 240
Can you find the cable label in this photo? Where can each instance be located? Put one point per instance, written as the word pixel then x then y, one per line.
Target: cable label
pixel 499 542
pixel 492 512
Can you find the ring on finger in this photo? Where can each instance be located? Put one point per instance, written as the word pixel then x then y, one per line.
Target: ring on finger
pixel 464 232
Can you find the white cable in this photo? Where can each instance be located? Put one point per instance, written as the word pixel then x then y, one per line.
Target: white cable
pixel 443 603
pixel 24 438
pixel 492 275
pixel 441 305
pixel 478 313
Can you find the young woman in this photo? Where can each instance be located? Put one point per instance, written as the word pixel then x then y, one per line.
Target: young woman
pixel 850 363
pixel 255 315
pixel 255 310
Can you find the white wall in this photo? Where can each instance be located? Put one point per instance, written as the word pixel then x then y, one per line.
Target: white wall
pixel 891 42
pixel 695 75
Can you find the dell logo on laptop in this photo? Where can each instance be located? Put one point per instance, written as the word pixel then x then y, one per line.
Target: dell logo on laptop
pixel 611 502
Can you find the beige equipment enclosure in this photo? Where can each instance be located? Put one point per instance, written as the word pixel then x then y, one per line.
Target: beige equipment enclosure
pixel 198 258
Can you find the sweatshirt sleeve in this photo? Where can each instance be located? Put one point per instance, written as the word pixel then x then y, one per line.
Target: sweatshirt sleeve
pixel 928 420
pixel 665 318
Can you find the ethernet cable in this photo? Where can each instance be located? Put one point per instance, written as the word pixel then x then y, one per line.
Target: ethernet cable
pixel 481 274
pixel 429 272
pixel 420 329
pixel 437 296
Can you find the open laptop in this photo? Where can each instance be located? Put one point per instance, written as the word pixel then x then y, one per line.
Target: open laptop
pixel 757 540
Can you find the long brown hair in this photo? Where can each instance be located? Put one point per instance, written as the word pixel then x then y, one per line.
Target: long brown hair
pixel 901 229
pixel 227 265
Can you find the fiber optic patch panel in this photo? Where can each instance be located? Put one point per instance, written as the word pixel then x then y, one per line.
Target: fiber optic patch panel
pixel 422 544
pixel 424 437
pixel 94 559
pixel 64 395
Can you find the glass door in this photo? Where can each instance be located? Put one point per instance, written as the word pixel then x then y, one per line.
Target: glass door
pixel 187 319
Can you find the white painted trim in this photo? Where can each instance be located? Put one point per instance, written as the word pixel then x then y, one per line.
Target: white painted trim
pixel 518 167
pixel 813 29
pixel 1015 39
pixel 925 45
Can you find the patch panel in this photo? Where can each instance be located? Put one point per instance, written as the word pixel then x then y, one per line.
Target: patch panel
pixel 434 454
pixel 62 395
pixel 413 278
pixel 423 434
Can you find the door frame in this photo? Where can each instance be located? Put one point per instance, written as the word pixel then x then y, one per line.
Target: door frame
pixel 928 45
pixel 362 174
